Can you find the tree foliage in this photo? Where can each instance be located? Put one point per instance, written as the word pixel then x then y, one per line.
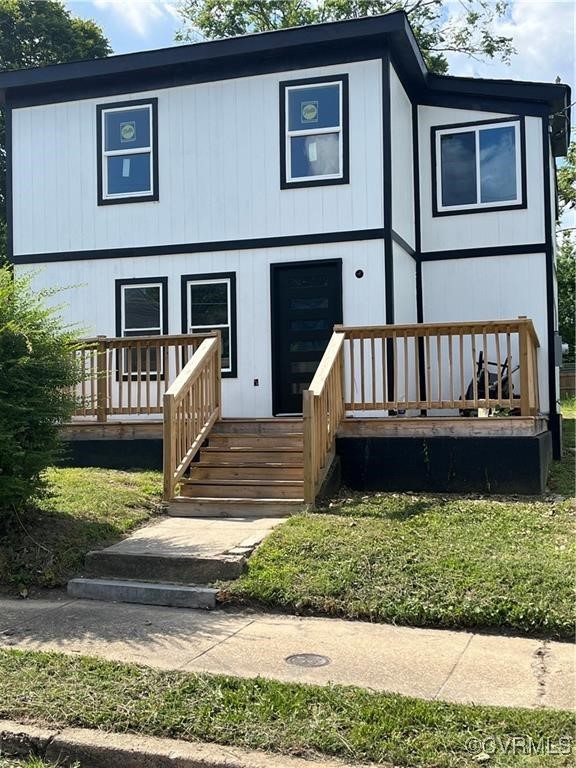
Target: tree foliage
pixel 567 180
pixel 566 276
pixel 37 375
pixel 33 34
pixel 440 27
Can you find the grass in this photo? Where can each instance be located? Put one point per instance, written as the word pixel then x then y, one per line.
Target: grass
pixel 354 724
pixel 562 475
pixel 445 561
pixel 86 509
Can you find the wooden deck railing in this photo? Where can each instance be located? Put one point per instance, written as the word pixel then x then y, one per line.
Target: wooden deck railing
pixel 423 367
pixel 323 407
pixel 191 407
pixel 129 375
pixel 434 366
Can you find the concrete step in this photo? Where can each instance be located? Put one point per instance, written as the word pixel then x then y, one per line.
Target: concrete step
pixel 244 489
pixel 258 442
pixel 272 426
pixel 146 593
pixel 250 456
pixel 166 566
pixel 199 471
pixel 182 506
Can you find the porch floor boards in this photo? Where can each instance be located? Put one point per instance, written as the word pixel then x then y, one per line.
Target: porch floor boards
pixel 291 429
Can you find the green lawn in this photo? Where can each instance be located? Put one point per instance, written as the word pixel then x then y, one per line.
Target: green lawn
pixel 445 561
pixel 86 509
pixel 562 475
pixel 346 722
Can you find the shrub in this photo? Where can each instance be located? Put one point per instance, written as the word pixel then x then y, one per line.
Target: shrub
pixel 37 377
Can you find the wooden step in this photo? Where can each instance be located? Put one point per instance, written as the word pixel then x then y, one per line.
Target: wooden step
pixel 257 426
pixel 243 489
pixel 260 442
pixel 182 506
pixel 251 456
pixel 199 471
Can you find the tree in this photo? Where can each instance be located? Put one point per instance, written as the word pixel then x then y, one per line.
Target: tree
pixel 566 254
pixel 38 373
pixel 33 34
pixel 566 276
pixel 567 181
pixel 439 29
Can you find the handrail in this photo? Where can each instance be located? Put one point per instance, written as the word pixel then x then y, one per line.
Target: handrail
pixel 191 407
pixel 128 375
pixel 431 366
pixel 323 409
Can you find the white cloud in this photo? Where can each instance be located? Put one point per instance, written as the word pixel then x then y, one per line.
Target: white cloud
pixel 544 35
pixel 139 15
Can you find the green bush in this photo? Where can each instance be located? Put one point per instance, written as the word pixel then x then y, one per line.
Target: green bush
pixel 37 378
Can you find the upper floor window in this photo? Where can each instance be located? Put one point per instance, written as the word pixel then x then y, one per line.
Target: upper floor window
pixel 314 131
pixel 478 166
pixel 127 152
pixel 209 304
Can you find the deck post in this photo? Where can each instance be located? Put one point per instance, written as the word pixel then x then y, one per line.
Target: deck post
pixel 101 380
pixel 309 448
pixel 524 367
pixel 168 446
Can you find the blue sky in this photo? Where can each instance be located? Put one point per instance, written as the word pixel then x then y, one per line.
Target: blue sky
pixel 544 33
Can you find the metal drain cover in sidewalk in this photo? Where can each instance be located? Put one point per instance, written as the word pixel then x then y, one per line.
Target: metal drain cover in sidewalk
pixel 307 660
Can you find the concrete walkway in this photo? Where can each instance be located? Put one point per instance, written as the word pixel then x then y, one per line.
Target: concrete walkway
pixel 432 664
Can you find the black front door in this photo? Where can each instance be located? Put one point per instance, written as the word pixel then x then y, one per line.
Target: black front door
pixel 306 304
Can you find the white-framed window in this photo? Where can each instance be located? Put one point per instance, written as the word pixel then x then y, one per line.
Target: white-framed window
pixel 314 117
pixel 210 305
pixel 478 166
pixel 127 152
pixel 141 310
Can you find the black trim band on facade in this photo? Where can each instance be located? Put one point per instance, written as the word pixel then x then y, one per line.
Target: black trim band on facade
pixel 554 419
pixel 341 78
pixel 387 213
pixel 479 253
pixel 231 276
pixel 399 240
pixel 8 190
pixel 316 238
pixel 100 108
pixel 418 242
pixel 436 169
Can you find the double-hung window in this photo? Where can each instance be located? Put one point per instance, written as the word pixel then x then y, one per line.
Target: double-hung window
pixel 127 152
pixel 479 166
pixel 209 304
pixel 314 131
pixel 141 310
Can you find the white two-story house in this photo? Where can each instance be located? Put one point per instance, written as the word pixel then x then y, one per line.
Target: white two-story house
pixel 274 186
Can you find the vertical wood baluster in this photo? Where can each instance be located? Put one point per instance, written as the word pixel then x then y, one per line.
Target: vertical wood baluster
pixel 474 377
pixel 486 377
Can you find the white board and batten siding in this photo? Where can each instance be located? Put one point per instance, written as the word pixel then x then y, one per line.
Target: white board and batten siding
pixel 488 228
pixel 403 215
pixel 496 288
pixel 92 298
pixel 219 169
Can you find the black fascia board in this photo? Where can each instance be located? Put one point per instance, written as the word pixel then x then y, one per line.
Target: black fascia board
pixel 264 46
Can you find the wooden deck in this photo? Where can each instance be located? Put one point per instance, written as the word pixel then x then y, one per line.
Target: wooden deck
pixel 351 426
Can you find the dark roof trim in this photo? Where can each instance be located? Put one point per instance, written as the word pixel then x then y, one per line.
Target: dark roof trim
pixel 278 42
pixel 281 50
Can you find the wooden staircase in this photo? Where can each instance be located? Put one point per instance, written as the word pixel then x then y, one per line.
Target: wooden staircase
pixel 246 467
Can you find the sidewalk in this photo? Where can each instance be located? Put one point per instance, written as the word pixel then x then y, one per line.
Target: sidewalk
pixel 459 667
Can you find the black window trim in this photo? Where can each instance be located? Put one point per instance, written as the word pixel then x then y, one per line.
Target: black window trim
pixel 341 78
pixel 120 283
pixel 487 208
pixel 146 198
pixel 206 276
